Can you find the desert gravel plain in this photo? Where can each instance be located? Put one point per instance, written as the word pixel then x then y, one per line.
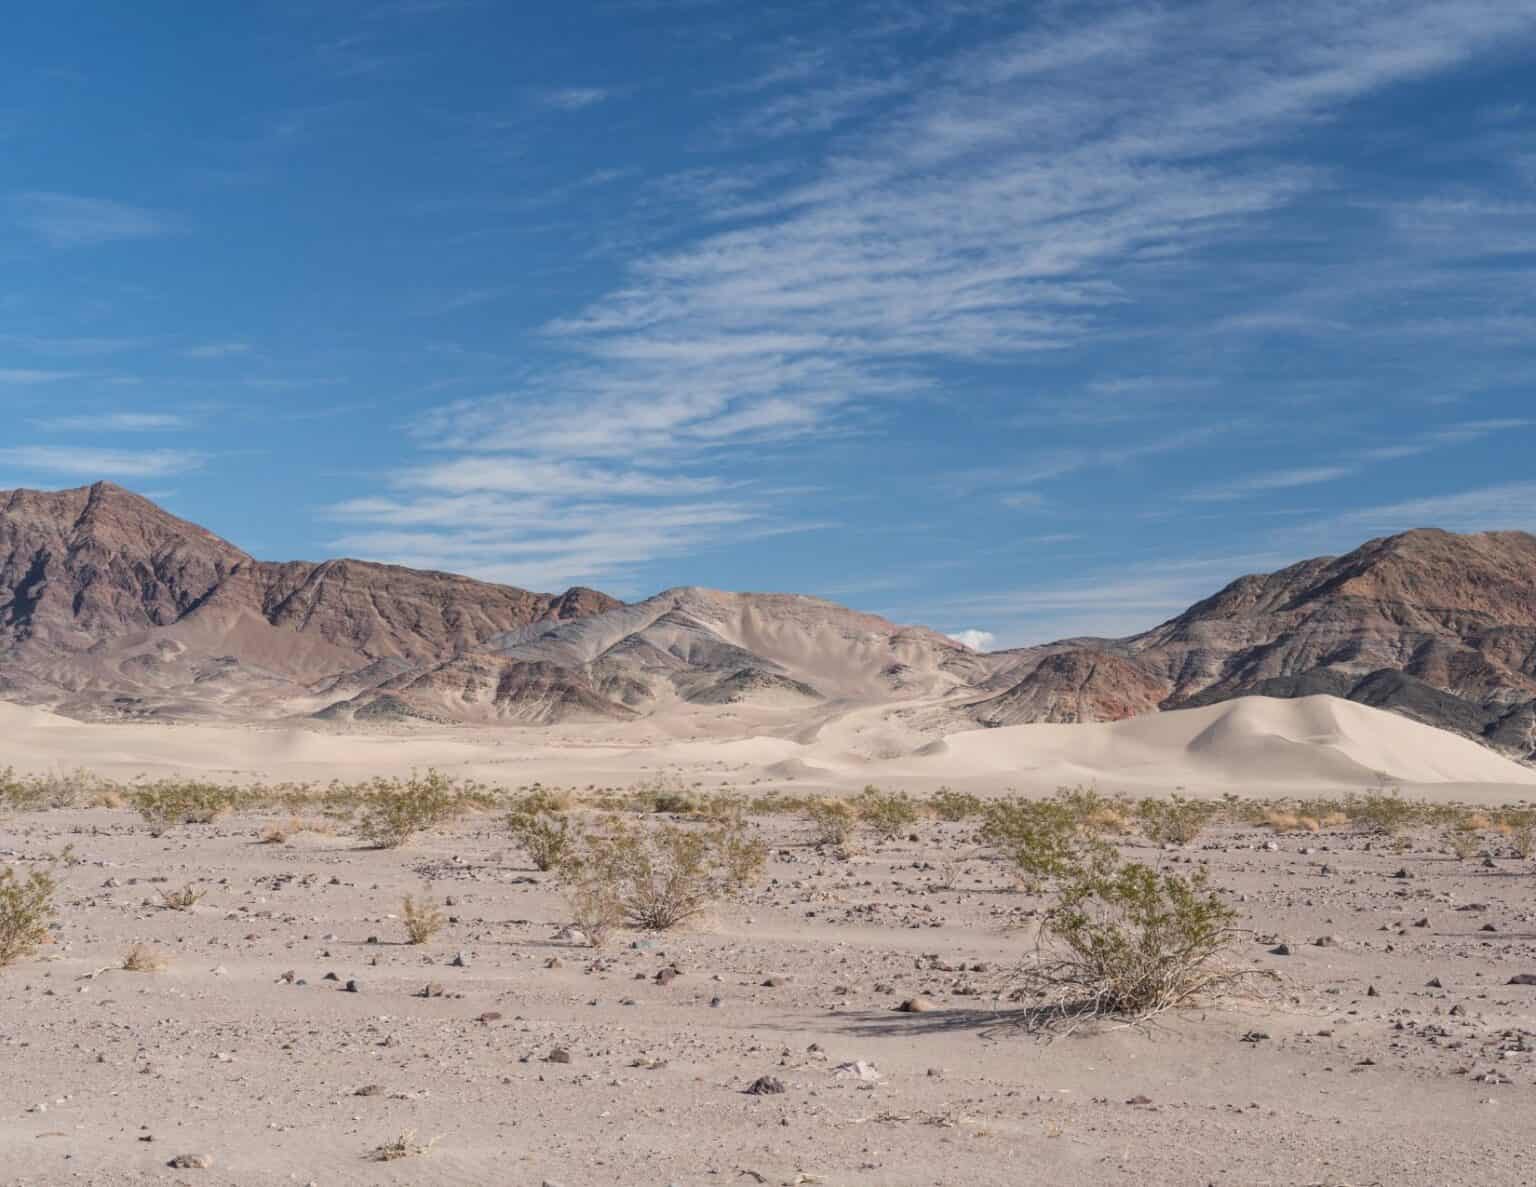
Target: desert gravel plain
pixel 1394 1049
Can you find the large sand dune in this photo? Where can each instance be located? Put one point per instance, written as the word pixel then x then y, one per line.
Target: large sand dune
pixel 1254 745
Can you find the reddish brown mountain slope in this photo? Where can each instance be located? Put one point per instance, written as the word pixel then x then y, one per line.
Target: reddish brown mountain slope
pixel 101 590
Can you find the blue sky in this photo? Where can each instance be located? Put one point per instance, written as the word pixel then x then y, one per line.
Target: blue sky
pixel 1028 319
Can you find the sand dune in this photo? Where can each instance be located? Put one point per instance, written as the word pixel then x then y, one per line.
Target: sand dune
pixel 1253 742
pixel 1254 745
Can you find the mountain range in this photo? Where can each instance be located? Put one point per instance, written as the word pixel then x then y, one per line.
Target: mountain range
pixel 110 607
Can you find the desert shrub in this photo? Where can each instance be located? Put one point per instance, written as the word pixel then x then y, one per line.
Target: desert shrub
pixel 1094 812
pixel 1283 821
pixel 1044 839
pixel 181 900
pixel 595 908
pixel 26 908
pixel 660 876
pixel 169 802
pixel 143 959
pixel 395 810
pixel 404 1146
pixel 1520 827
pixel 32 793
pixel 954 806
pixel 1176 819
pixel 422 919
pixel 1380 810
pixel 538 823
pixel 888 814
pixel 832 821
pixel 1130 940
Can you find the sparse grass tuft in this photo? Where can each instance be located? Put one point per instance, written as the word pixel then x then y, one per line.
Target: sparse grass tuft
pixel 170 802
pixel 954 806
pixel 182 900
pixel 422 919
pixel 143 959
pixel 404 1146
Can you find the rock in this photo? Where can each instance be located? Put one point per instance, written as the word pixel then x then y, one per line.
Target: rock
pixel 1487 927
pixel 765 1086
pixel 1280 950
pixel 1326 941
pixel 458 961
pixel 1522 979
pixel 351 987
pixel 1138 1099
pixel 918 1005
pixel 191 1162
pixel 330 977
pixel 859 1070
pixel 1424 922
pixel 558 1055
pixel 1370 991
pixel 430 989
pixel 1433 983
pixel 773 982
pixel 667 975
pixel 489 1016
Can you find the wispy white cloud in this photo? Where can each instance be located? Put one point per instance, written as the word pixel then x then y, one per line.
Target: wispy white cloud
pixel 113 422
pixel 1272 480
pixel 80 462
pixel 1005 206
pixel 28 375
pixel 1509 505
pixel 574 98
pixel 70 220
pixel 217 350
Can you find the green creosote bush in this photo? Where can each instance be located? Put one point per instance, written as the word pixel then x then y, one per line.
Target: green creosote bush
pixel 657 877
pixel 887 814
pixel 1129 940
pixel 954 806
pixel 538 822
pixel 169 802
pixel 1380 810
pixel 1175 820
pixel 395 810
pixel 832 821
pixel 1042 839
pixel 26 909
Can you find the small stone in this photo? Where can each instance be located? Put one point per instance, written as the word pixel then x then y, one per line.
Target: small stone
pixel 351 987
pixel 1370 991
pixel 1424 922
pixel 667 975
pixel 191 1162
pixel 458 961
pixel 917 1005
pixel 1487 927
pixel 558 1055
pixel 489 1016
pixel 1326 941
pixel 773 983
pixel 1522 979
pixel 1280 950
pixel 554 962
pixel 1433 983
pixel 330 977
pixel 765 1086
pixel 1138 1099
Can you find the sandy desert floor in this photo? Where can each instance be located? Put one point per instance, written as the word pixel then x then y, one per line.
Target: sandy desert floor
pixel 1396 1052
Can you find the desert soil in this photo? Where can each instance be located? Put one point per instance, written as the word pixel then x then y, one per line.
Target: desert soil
pixel 1394 1052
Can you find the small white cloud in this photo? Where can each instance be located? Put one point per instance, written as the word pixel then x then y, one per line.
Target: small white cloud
pixel 114 422
pixel 574 98
pixel 974 639
pixel 217 350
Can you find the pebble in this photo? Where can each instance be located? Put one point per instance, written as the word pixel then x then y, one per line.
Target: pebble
pixel 351 987
pixel 765 1086
pixel 917 1005
pixel 558 1055
pixel 198 1162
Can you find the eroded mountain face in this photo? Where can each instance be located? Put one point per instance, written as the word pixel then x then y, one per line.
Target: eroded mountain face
pixel 111 606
